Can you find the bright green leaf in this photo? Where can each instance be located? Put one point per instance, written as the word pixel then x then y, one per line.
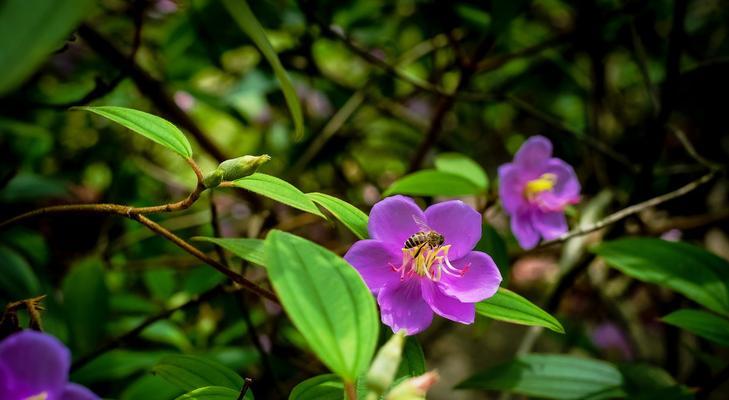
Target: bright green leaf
pixel 30 30
pixel 550 376
pixel 247 249
pixel 413 359
pixel 214 393
pixel 152 127
pixel 279 190
pixel 243 15
pixel 701 323
pixel 692 271
pixel 326 300
pixel 351 216
pixel 433 183
pixel 322 387
pixel 17 279
pixel 458 164
pixel 508 306
pixel 85 304
pixel 192 372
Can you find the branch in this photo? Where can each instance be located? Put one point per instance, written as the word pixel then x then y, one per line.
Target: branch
pixel 634 209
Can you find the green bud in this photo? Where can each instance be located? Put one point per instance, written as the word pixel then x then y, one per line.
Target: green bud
pixel 213 178
pixel 237 168
pixel 384 367
pixel 413 388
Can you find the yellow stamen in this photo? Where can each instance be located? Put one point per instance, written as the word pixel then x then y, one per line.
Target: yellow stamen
pixel 544 183
pixel 39 396
pixel 423 263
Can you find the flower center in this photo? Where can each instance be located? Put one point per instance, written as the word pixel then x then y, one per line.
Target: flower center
pixel 544 183
pixel 427 261
pixel 40 396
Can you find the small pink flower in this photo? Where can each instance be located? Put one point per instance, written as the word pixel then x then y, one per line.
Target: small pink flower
pixel 535 189
pixel 413 282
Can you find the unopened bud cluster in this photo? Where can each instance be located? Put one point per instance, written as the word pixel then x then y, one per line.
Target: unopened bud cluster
pixel 235 168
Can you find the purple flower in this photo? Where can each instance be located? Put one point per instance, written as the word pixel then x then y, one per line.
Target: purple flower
pixel 34 366
pixel 535 189
pixel 413 280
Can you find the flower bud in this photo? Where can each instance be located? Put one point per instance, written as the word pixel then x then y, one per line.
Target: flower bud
pixel 237 168
pixel 213 179
pixel 384 367
pixel 414 388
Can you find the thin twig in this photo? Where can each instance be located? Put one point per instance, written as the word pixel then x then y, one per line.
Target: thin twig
pixel 247 382
pixel 120 340
pixel 634 209
pixel 691 150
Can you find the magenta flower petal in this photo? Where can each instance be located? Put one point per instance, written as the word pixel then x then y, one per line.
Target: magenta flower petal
pixel 459 224
pixel 511 188
pixel 34 363
pixel 534 153
pixel 524 231
pixel 566 189
pixel 477 278
pixel 73 391
pixel 392 220
pixel 373 260
pixel 402 307
pixel 446 306
pixel 549 224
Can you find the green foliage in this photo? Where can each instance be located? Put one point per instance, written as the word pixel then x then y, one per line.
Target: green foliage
pixel 508 306
pixel 433 183
pixel 351 216
pixel 247 249
pixel 30 30
pixel 413 359
pixel 322 387
pixel 214 393
pixel 152 127
pixel 17 279
pixel 243 15
pixel 115 365
pixel 189 372
pixel 551 376
pixel 701 323
pixel 697 274
pixel 86 304
pixel 458 164
pixel 337 314
pixel 279 190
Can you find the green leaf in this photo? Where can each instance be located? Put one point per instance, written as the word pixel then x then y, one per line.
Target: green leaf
pixel 214 393
pixel 146 384
pixel 508 306
pixel 494 245
pixel 701 323
pixel 248 249
pixel 692 271
pixel 152 127
pixel 322 387
pixel 243 15
pixel 30 30
pixel 458 164
pixel 192 372
pixel 86 304
pixel 413 359
pixel 115 366
pixel 433 183
pixel 351 216
pixel 550 376
pixel 17 279
pixel 326 300
pixel 279 190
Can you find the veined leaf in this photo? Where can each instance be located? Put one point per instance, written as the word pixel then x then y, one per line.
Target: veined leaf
pixel 248 249
pixel 279 190
pixel 458 164
pixel 191 372
pixel 214 393
pixel 30 30
pixel 351 216
pixel 433 183
pixel 154 128
pixel 701 323
pixel 692 271
pixel 322 387
pixel 243 15
pixel 551 376
pixel 508 306
pixel 326 300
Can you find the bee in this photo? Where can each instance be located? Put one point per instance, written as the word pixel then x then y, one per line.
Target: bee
pixel 425 237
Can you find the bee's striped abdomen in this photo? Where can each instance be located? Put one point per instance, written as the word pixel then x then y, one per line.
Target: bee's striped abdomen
pixel 416 240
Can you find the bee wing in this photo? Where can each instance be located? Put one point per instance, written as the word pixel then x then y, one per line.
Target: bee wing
pixel 422 225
